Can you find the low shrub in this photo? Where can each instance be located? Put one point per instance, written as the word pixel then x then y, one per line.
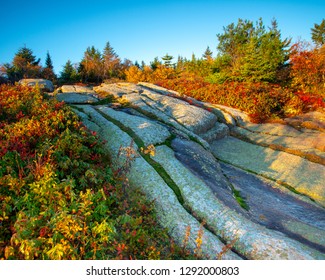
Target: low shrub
pixel 59 198
pixel 261 101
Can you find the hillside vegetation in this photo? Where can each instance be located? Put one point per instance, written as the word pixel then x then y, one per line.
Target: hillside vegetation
pixel 255 70
pixel 60 196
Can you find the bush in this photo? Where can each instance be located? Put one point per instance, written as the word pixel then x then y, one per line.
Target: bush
pixel 260 100
pixel 59 198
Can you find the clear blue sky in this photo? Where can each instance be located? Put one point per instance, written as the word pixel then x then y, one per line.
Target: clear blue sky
pixel 139 30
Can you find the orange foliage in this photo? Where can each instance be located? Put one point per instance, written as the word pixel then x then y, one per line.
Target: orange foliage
pixel 308 68
pixel 135 74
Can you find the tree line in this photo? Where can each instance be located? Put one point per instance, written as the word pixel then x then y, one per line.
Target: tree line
pixel 246 51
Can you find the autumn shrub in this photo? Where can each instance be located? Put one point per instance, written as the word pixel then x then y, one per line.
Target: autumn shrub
pixel 134 74
pixel 59 198
pixel 308 68
pixel 260 100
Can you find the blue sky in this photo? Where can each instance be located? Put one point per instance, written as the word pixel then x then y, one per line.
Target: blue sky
pixel 139 30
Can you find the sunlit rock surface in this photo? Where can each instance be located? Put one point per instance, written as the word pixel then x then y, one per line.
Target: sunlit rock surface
pixel 257 186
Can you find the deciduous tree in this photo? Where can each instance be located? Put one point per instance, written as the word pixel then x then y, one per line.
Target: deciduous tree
pixel 308 68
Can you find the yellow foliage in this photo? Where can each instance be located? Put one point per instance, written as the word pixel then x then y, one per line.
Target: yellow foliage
pixel 60 251
pixel 103 230
pixel 68 226
pixel 134 75
pixel 151 150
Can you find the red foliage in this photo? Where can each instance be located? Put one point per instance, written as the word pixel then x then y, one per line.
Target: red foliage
pixel 260 100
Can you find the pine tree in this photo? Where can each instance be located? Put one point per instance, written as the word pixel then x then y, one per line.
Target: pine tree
pixel 207 54
pixel 250 52
pixel 155 63
pixel 91 65
pixel 48 61
pixel 48 70
pixel 318 33
pixel 167 60
pixel 69 73
pixel 111 62
pixel 27 54
pixel 143 65
pixel 136 63
pixel 24 65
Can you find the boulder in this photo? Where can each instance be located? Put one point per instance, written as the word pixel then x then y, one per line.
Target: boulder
pixel 42 83
pixel 312 120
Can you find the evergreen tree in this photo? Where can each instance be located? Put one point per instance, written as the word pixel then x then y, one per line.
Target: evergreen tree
pixel 143 65
pixel 265 54
pixel 250 52
pixel 69 73
pixel 27 55
pixel 167 60
pixel 207 54
pixel 180 65
pixel 233 40
pixel 48 71
pixel 111 62
pixel 48 61
pixel 91 65
pixel 155 63
pixel 318 33
pixel 24 65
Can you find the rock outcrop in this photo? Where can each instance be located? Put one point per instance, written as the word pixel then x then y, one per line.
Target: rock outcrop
pixel 257 186
pixel 42 83
pixel 76 94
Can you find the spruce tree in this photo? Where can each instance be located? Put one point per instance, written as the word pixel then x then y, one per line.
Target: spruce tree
pixel 318 33
pixel 24 65
pixel 48 70
pixel 155 63
pixel 207 54
pixel 91 68
pixel 167 60
pixel 249 51
pixel 111 62
pixel 48 61
pixel 69 73
pixel 27 55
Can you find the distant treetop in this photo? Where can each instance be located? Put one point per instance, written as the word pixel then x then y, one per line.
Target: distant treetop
pixel 318 33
